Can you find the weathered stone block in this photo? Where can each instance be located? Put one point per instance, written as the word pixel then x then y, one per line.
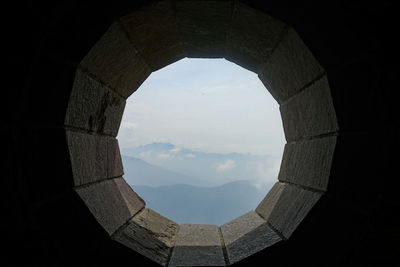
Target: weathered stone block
pixel 253 36
pixel 247 235
pixel 203 26
pixel 93 107
pixel 287 207
pixel 309 113
pixel 268 203
pixel 289 68
pixel 153 31
pixel 308 163
pixel 114 61
pixel 112 202
pixel 150 234
pixel 93 157
pixel 197 245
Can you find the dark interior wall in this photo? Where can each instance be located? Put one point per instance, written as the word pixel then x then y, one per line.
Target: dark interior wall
pixel 45 223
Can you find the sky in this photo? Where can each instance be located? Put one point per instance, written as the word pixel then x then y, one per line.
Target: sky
pixel 206 105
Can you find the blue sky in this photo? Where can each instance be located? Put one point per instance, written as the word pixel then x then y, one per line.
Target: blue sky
pixel 207 105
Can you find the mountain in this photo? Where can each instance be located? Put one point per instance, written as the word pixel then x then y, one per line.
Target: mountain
pixel 139 172
pixel 212 169
pixel 203 205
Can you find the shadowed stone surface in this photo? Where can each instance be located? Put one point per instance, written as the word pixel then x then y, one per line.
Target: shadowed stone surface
pixel 308 163
pixel 253 36
pixel 112 202
pixel 197 245
pixel 285 73
pixel 247 235
pixel 150 234
pixel 203 26
pixel 114 61
pixel 153 31
pixel 93 107
pixel 309 113
pixel 268 203
pixel 290 205
pixel 93 157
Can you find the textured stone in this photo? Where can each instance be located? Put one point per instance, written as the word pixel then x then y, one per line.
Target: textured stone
pixel 289 68
pixel 308 163
pixel 268 203
pixel 150 234
pixel 114 61
pixel 203 26
pixel 112 202
pixel 197 245
pixel 309 113
pixel 93 107
pixel 93 157
pixel 287 207
pixel 153 31
pixel 253 36
pixel 247 235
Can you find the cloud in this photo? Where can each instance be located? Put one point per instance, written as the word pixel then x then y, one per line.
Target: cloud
pixel 190 155
pixel 129 125
pixel 175 150
pixel 228 165
pixel 164 155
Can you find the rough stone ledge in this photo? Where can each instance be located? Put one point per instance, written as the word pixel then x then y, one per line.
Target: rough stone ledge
pixel 285 206
pixel 150 234
pixel 94 107
pixel 112 202
pixel 153 32
pixel 308 163
pixel 197 245
pixel 93 157
pixel 284 73
pixel 203 26
pixel 253 36
pixel 309 113
pixel 114 61
pixel 247 235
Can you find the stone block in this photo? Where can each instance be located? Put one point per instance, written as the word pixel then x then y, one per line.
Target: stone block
pixel 287 207
pixel 253 36
pixel 150 234
pixel 93 157
pixel 153 31
pixel 289 68
pixel 112 202
pixel 309 113
pixel 308 163
pixel 268 203
pixel 93 107
pixel 197 245
pixel 247 235
pixel 114 61
pixel 203 26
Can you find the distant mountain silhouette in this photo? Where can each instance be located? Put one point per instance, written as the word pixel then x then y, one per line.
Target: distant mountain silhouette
pixel 139 172
pixel 192 204
pixel 203 169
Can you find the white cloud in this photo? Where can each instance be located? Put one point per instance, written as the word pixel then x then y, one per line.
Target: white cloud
pixel 228 165
pixel 128 125
pixel 175 150
pixel 164 155
pixel 190 155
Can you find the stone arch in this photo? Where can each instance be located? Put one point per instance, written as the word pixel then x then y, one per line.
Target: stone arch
pixel 161 33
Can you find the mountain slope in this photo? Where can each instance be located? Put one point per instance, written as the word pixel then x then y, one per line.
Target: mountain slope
pixel 139 172
pixel 212 205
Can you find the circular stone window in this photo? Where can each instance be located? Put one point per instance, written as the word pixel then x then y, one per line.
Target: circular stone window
pixel 161 33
